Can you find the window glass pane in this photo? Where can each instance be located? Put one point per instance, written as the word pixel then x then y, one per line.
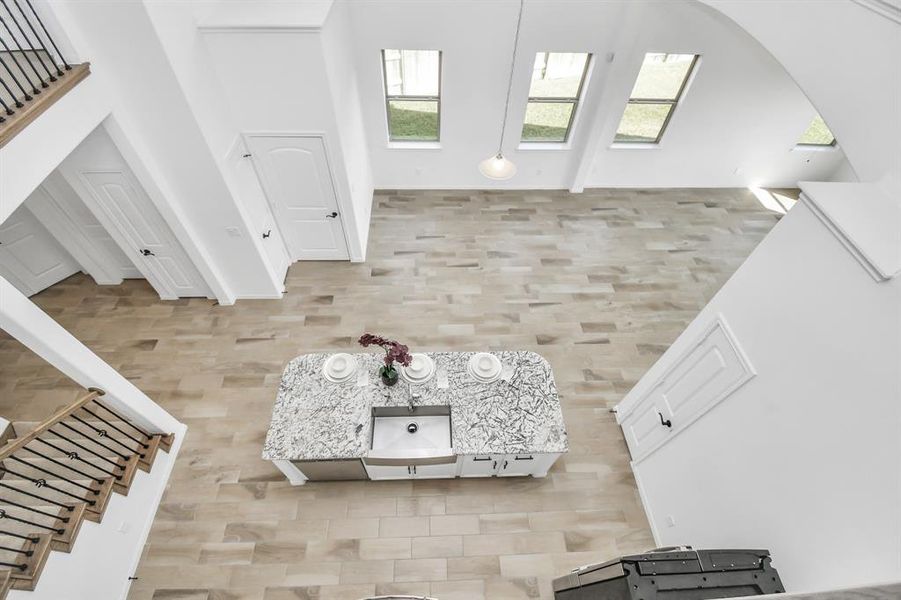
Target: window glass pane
pixel 413 119
pixel 412 72
pixel 642 122
pixel 661 76
pixel 557 74
pixel 817 134
pixel 547 121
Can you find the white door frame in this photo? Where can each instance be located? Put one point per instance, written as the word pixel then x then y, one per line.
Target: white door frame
pixel 339 198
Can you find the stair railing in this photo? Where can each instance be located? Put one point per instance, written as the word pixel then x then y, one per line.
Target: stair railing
pixel 33 70
pixel 61 472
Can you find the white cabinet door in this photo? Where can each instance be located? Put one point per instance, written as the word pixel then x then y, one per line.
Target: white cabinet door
pixel 30 258
pixel 443 471
pixel 516 465
pixel 381 472
pixel 479 465
pixel 296 178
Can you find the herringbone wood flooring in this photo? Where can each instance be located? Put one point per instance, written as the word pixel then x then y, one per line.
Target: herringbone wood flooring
pixel 600 283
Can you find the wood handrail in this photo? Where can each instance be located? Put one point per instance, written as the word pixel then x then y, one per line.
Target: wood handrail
pixel 16 123
pixel 19 443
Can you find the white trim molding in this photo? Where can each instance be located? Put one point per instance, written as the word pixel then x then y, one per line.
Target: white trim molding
pixel 864 219
pixel 890 9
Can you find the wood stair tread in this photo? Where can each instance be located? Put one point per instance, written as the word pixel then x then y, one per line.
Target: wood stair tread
pixel 47 497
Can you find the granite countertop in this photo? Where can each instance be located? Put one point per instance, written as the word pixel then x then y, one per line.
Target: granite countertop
pixel 314 419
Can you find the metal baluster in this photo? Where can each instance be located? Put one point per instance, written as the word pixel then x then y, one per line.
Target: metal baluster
pixel 15 79
pixel 104 446
pixel 34 88
pixel 27 41
pixel 6 109
pixel 42 483
pixel 49 37
pixel 35 496
pixel 33 540
pixel 5 515
pixel 88 450
pixel 132 438
pixel 74 456
pixel 124 420
pixel 20 567
pixel 40 42
pixel 34 510
pixel 63 465
pixel 19 550
pixel 104 434
pixel 43 470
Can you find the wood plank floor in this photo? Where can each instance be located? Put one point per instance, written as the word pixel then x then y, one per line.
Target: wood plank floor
pixel 600 283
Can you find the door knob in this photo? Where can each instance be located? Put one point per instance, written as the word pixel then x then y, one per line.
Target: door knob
pixel 147 252
pixel 666 423
pixel 331 216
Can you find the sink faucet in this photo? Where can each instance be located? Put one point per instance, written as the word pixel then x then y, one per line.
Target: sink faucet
pixel 414 396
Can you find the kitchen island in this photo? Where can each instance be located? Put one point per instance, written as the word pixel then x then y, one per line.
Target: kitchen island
pixel 322 430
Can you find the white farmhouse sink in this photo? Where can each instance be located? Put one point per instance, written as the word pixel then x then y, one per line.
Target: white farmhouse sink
pixel 399 432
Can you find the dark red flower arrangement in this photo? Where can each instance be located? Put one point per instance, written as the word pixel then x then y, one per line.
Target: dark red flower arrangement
pixel 394 352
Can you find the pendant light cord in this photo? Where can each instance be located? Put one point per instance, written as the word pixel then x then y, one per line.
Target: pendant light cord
pixel 500 146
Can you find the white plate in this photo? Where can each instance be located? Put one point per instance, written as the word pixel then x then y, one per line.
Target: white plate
pixel 485 367
pixel 421 369
pixel 339 368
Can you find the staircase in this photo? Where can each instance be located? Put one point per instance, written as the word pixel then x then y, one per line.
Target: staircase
pixel 56 474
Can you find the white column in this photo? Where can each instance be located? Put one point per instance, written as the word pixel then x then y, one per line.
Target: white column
pixel 22 319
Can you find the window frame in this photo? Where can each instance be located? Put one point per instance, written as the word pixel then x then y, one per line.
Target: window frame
pixel 813 146
pixel 576 101
pixel 673 103
pixel 390 97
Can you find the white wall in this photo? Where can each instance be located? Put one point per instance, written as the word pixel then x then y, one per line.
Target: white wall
pixel 155 129
pixel 738 121
pixel 337 42
pixel 33 154
pixel 175 24
pixel 852 79
pixel 804 459
pixel 276 80
pixel 743 111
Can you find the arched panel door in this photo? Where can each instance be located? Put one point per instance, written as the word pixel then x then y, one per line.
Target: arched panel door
pixel 31 258
pixel 295 176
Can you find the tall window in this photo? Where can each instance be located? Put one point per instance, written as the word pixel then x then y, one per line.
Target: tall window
pixel 657 90
pixel 817 134
pixel 557 81
pixel 413 94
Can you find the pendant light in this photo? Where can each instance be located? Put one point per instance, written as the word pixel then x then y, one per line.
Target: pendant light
pixel 497 166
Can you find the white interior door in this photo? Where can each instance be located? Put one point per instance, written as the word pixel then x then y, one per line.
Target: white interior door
pixel 30 258
pixel 294 172
pixel 63 213
pixel 128 214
